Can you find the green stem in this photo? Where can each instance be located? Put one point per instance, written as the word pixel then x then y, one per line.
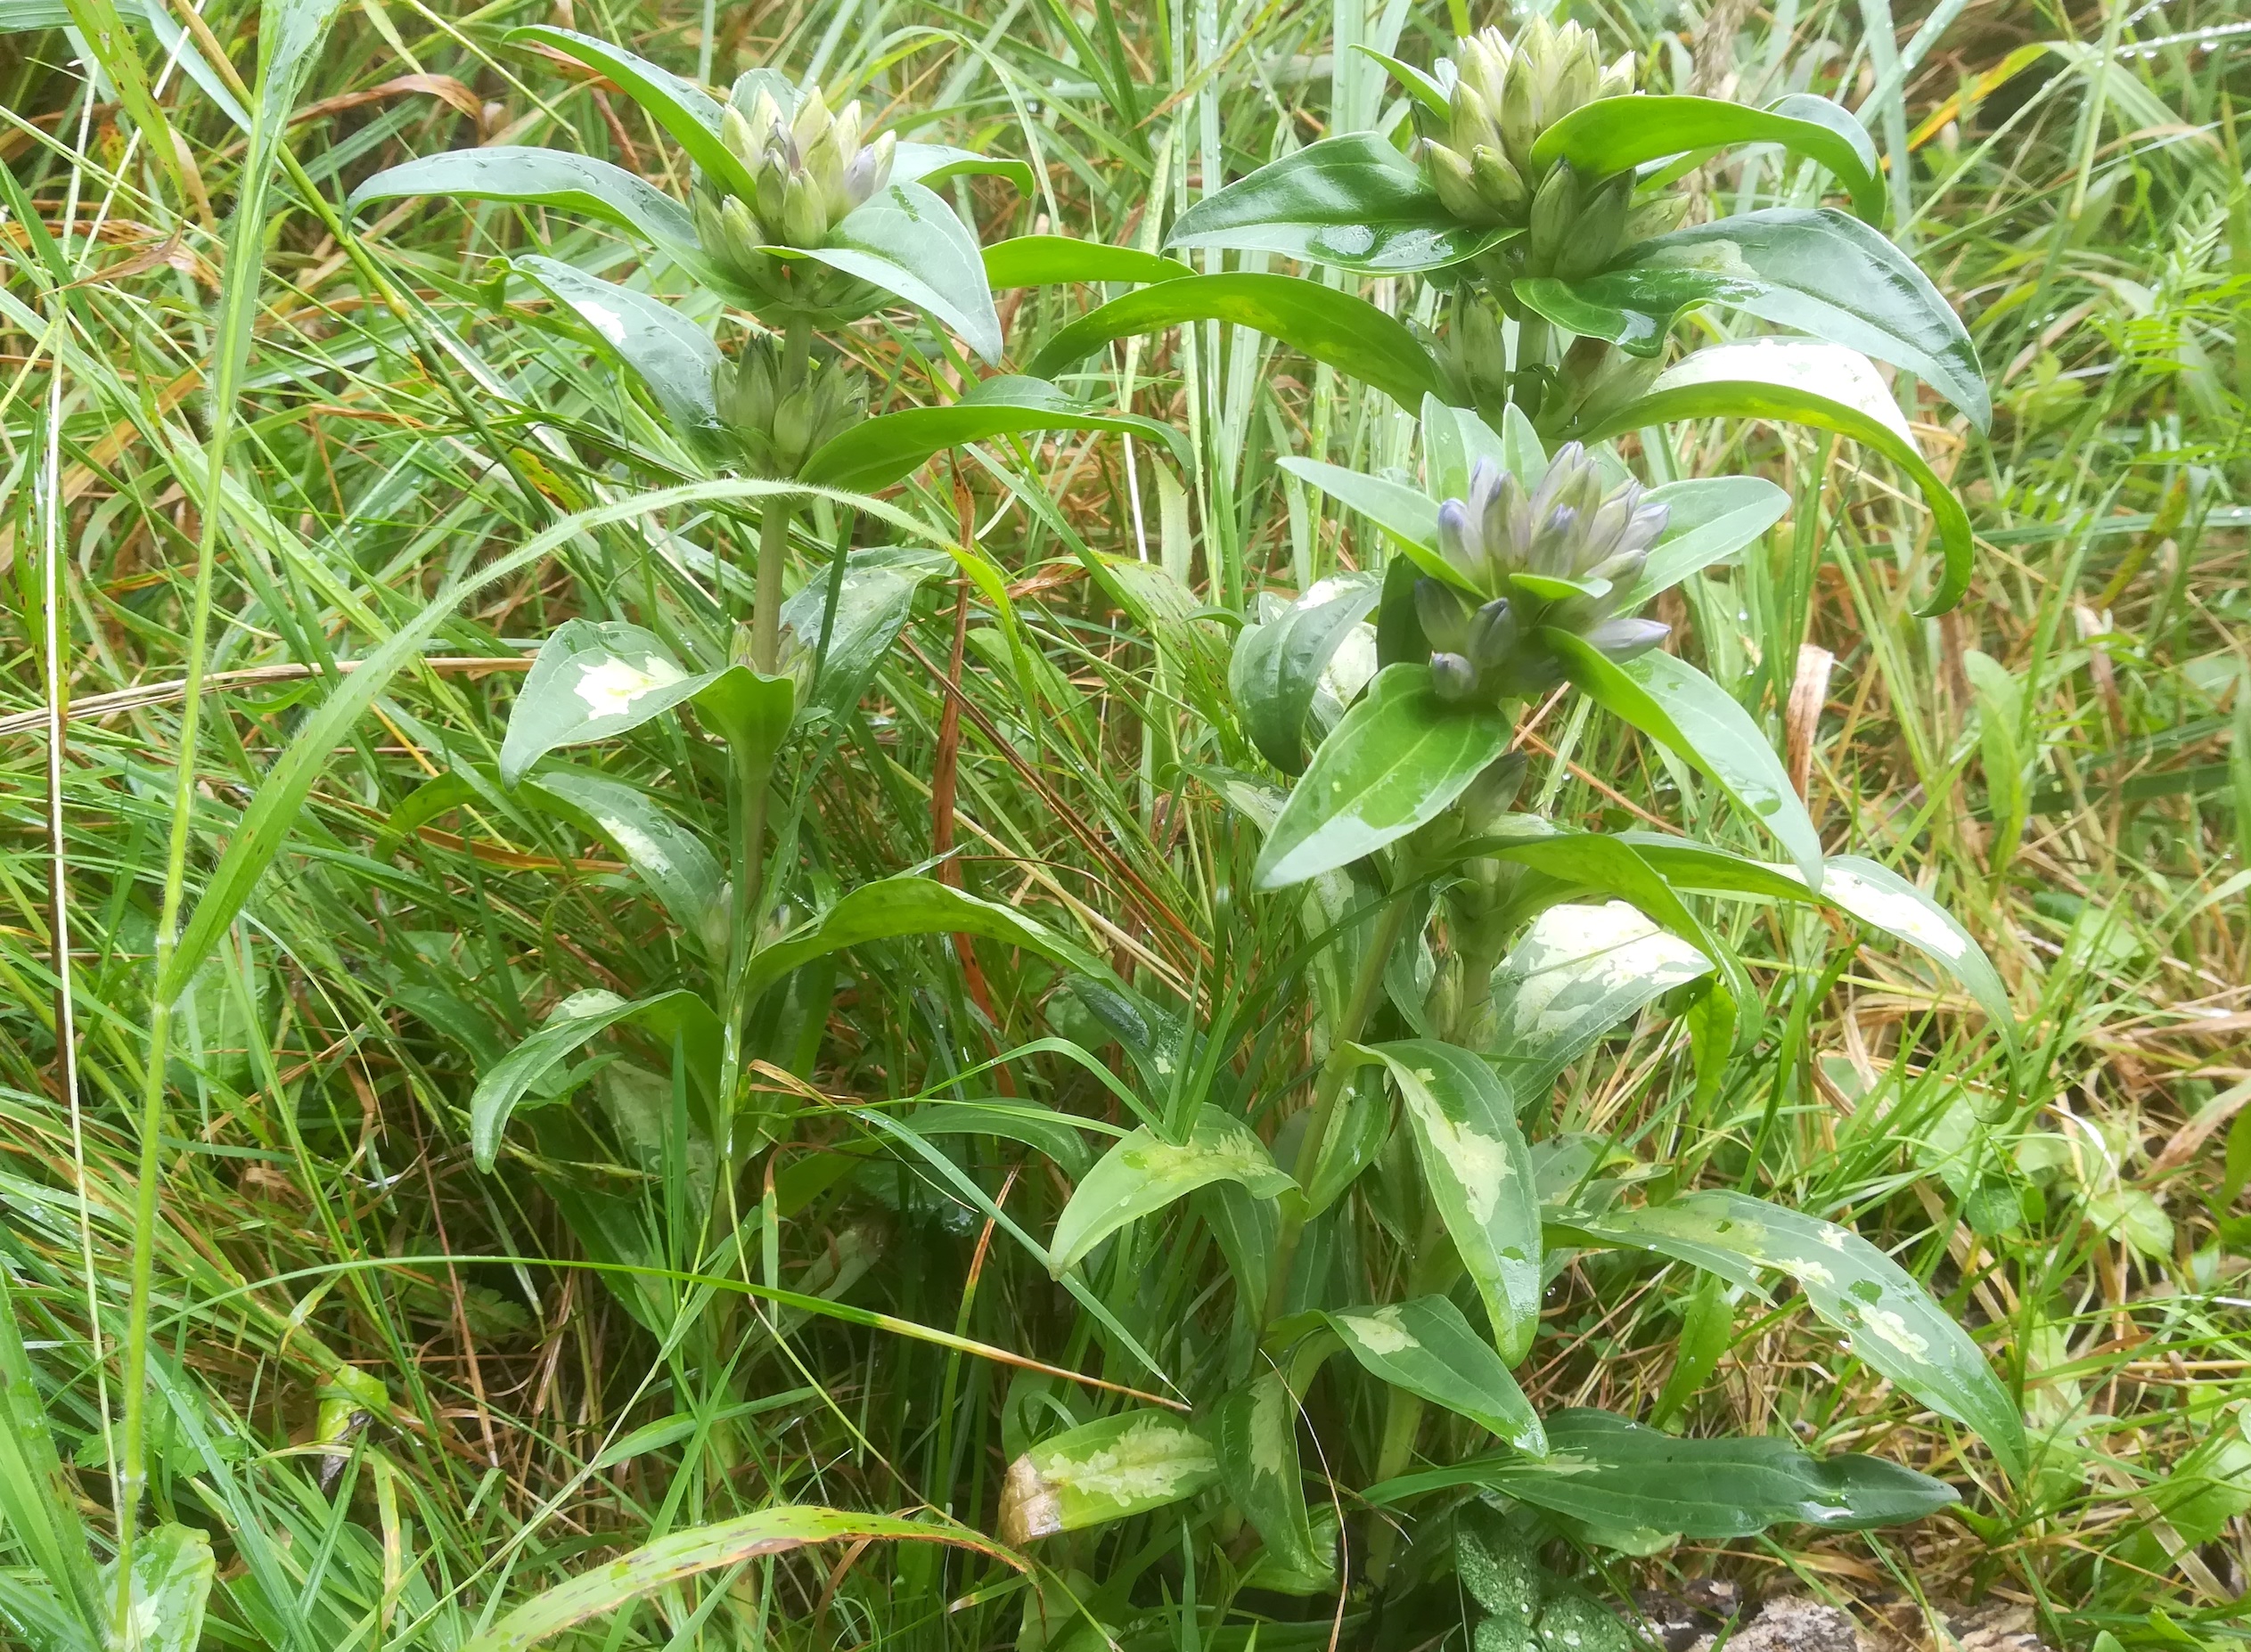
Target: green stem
pixel 1367 986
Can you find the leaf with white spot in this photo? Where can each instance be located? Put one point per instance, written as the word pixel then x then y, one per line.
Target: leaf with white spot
pixel 172 1574
pixel 1428 1348
pixel 1480 1173
pixel 1255 1432
pixel 1575 974
pixel 1102 1471
pixel 1144 1172
pixel 1896 1327
pixel 1880 896
pixel 596 678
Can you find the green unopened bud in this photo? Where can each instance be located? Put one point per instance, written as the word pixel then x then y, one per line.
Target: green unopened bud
pixel 1482 61
pixel 1471 123
pixel 1597 378
pixel 1519 115
pixel 1595 241
pixel 1574 80
pixel 1652 218
pixel 1555 211
pixel 805 215
pixel 1501 185
pixel 1618 79
pixel 1458 191
pixel 774 191
pixel 742 234
pixel 741 141
pixel 1473 356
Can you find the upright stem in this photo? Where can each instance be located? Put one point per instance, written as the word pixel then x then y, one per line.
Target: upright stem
pixel 1366 988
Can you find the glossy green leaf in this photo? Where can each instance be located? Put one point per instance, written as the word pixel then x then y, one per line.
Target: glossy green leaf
pixel 1896 1327
pixel 1144 1172
pixel 37 1500
pixel 1712 518
pixel 680 872
pixel 1479 1172
pixel 1818 271
pixel 1825 386
pixel 1577 973
pixel 1399 756
pixel 1671 700
pixel 1423 87
pixel 874 600
pixel 1054 1134
pixel 595 679
pixel 892 907
pixel 1254 1433
pixel 1277 666
pixel 545 177
pixel 1049 260
pixel 1408 516
pixel 1633 313
pixel 672 1559
pixel 689 114
pixel 1341 328
pixel 1611 1472
pixel 1104 1470
pixel 877 452
pixel 932 164
pixel 1426 1347
pixel 1612 134
pixel 674 356
pixel 906 241
pixel 1354 202
pixel 583 1016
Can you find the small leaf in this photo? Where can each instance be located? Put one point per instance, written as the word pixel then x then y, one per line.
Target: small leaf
pixel 1880 896
pixel 172 1574
pixel 1424 88
pixel 1354 202
pixel 1144 1172
pixel 1254 1433
pixel 1611 1472
pixel 1575 974
pixel 1052 1133
pixel 1277 666
pixel 689 114
pixel 1102 1471
pixel 877 452
pixel 1345 330
pixel 1047 260
pixel 932 164
pixel 1479 1172
pixel 906 241
pixel 1612 134
pixel 673 1559
pixel 680 872
pixel 1671 700
pixel 1408 516
pixel 1399 756
pixel 546 177
pixel 1711 519
pixel 1794 381
pixel 673 356
pixel 873 601
pixel 892 907
pixel 678 1014
pixel 1895 1328
pixel 1426 1347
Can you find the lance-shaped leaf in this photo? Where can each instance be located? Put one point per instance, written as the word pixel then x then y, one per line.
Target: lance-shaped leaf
pixel 1044 260
pixel 678 1015
pixel 1793 382
pixel 1408 517
pixel 1818 271
pixel 1053 1133
pixel 1611 1472
pixel 932 164
pixel 1612 134
pixel 1354 202
pixel 1144 1172
pixel 1894 1325
pixel 680 872
pixel 689 114
pixel 1254 1433
pixel 1577 973
pixel 1479 1172
pixel 1102 1471
pixel 546 177
pixel 1710 519
pixel 1426 1347
pixel 892 907
pixel 1671 700
pixel 1276 666
pixel 874 599
pixel 1399 756
pixel 1341 328
pixel 595 679
pixel 906 241
pixel 679 1556
pixel 674 356
pixel 877 452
